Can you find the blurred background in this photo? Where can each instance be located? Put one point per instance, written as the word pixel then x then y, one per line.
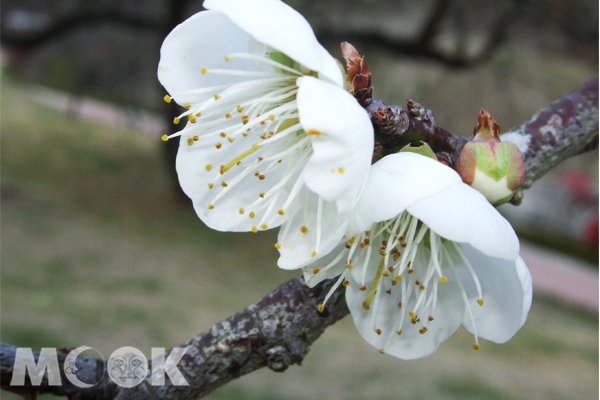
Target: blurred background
pixel 100 248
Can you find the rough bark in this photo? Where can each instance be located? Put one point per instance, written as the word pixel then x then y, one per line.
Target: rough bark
pixel 278 330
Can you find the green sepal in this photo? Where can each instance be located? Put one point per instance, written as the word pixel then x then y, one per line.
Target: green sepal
pixel 281 58
pixel 493 159
pixel 423 150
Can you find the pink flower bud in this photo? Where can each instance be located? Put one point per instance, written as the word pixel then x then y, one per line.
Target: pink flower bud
pixel 490 166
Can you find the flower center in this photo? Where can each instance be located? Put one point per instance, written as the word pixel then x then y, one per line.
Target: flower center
pixel 262 110
pixel 413 259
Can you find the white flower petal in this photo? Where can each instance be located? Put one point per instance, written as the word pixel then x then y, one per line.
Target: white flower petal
pixel 194 178
pixel 202 40
pixel 342 141
pixel 411 344
pixel 298 247
pixel 507 292
pixel 334 270
pixel 397 181
pixel 461 214
pixel 278 25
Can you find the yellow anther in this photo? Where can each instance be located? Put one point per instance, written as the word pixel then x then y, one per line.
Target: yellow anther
pixel 227 58
pixel 190 141
pixel 251 215
pixel 223 184
pixel 223 134
pixel 187 105
pixel 164 137
pixel 208 167
pixel 422 330
pixel 210 206
pixel 218 145
pixel 199 114
pixel 430 318
pixel 422 287
pixel 386 273
pixel 400 305
pixel 254 229
pixel 381 351
pixel 341 170
pixel 303 229
pixel 365 305
pixel 362 288
pixel 476 346
pixel 204 70
pixel 272 117
pixel 399 332
pixel 378 331
pixel 443 279
pixel 398 278
pixel 412 314
pixel 167 98
pixel 211 185
pixel 175 120
pixel 264 226
pixel 316 271
pixel 217 97
pixel 281 212
pixel 262 195
pixel 261 177
pixel 346 283
pixel 480 302
pixel 321 307
pixel 314 253
pixel 192 119
pixel 239 108
pixel 195 137
pixel 242 211
pixel 352 239
pixel 231 139
pixel 227 116
pixel 277 246
pixel 314 132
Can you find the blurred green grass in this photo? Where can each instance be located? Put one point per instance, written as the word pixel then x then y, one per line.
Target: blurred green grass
pixel 96 251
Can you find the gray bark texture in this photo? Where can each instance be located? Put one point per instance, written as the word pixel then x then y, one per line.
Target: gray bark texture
pixel 277 331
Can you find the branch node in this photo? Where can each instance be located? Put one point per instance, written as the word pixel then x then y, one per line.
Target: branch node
pixel 278 358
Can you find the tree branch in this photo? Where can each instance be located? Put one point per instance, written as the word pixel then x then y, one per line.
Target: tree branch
pixel 422 47
pixel 277 331
pixel 66 25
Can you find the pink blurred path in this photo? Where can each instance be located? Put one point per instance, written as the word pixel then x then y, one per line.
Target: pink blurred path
pixel 562 276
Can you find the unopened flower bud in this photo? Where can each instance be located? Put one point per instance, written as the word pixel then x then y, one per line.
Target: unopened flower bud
pixel 492 167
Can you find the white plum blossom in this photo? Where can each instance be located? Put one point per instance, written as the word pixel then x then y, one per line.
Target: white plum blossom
pixel 425 254
pixel 268 122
